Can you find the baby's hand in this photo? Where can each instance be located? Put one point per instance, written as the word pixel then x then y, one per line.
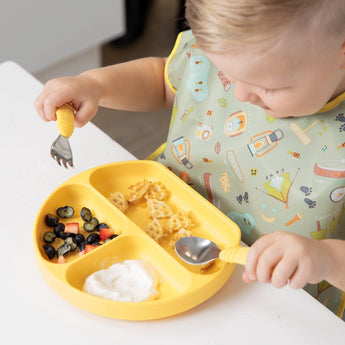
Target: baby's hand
pixel 81 91
pixel 284 258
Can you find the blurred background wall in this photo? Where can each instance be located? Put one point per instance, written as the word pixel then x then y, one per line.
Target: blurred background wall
pixel 49 38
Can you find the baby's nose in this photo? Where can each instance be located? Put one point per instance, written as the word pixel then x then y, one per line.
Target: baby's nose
pixel 245 93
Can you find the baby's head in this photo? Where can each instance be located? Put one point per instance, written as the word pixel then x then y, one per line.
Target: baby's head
pixel 287 56
pixel 230 25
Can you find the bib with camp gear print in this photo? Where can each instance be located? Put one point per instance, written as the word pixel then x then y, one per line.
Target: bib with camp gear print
pixel 265 173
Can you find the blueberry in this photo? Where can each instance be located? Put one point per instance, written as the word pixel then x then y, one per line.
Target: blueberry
pixel 65 212
pixel 79 238
pixel 71 242
pixel 64 235
pixel 52 220
pixel 91 225
pixel 85 214
pixel 59 229
pixel 49 237
pixel 102 225
pixel 64 249
pixel 92 238
pixel 82 245
pixel 110 238
pixel 50 251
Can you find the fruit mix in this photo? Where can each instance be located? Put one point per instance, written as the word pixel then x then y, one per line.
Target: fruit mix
pixel 95 233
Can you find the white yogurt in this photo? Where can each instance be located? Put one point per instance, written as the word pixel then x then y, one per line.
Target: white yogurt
pixel 126 281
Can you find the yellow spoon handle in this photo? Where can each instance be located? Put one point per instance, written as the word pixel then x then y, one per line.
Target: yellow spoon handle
pixel 65 120
pixel 236 254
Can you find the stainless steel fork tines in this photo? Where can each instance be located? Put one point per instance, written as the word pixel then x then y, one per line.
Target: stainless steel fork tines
pixel 61 149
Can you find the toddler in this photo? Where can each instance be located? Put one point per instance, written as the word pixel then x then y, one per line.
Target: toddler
pixel 257 90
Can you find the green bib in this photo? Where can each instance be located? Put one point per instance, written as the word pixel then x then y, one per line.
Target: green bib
pixel 265 173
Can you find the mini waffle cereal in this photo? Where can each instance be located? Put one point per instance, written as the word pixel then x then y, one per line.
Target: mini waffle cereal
pixel 179 220
pixel 156 191
pixel 137 191
pixel 155 230
pixel 119 200
pixel 176 225
pixel 158 209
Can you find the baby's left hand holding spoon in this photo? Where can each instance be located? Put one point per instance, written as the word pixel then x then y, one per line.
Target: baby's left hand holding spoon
pixel 283 258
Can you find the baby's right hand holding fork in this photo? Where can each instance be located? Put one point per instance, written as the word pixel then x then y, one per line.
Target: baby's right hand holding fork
pixel 82 92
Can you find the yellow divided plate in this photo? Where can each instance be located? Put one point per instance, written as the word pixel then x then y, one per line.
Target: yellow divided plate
pixel 182 286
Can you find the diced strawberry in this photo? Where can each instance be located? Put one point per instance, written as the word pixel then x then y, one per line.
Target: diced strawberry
pixel 81 253
pixel 61 260
pixel 105 233
pixel 72 228
pixel 90 247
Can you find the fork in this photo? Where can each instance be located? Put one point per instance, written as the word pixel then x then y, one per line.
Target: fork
pixel 61 149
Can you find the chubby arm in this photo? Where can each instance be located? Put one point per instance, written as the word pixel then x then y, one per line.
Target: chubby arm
pixel 135 85
pixel 283 258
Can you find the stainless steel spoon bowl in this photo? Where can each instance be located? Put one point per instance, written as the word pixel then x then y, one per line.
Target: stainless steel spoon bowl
pixel 200 251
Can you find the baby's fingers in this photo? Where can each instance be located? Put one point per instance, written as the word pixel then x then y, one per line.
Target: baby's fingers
pixel 55 94
pixel 85 113
pixel 52 104
pixel 300 277
pixel 256 249
pixel 46 106
pixel 38 104
pixel 267 262
pixel 248 279
pixel 283 272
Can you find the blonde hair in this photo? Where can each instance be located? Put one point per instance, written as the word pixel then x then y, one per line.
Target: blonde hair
pixel 223 25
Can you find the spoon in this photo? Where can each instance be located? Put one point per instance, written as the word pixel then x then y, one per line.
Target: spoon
pixel 200 251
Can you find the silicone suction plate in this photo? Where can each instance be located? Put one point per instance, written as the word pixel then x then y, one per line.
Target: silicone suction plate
pixel 182 286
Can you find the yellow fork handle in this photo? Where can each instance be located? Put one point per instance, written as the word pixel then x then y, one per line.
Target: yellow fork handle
pixel 65 120
pixel 236 254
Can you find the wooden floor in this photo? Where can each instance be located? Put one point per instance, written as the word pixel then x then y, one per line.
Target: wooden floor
pixel 141 133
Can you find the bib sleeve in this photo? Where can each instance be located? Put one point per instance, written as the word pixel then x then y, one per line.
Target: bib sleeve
pixel 178 59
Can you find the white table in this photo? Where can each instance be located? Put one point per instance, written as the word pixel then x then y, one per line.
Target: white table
pixel 32 313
